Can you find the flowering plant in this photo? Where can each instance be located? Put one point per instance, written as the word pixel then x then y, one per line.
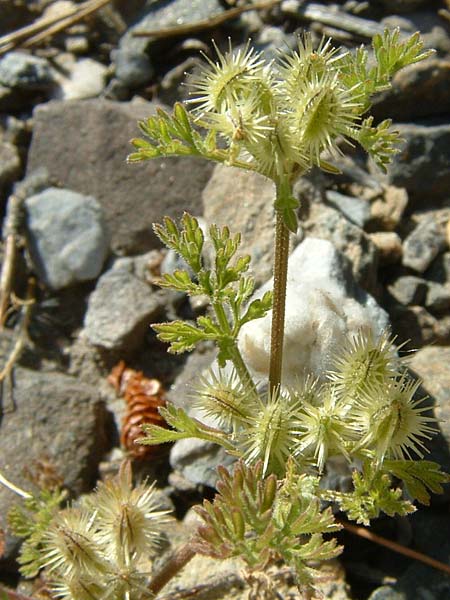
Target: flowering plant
pixel 280 119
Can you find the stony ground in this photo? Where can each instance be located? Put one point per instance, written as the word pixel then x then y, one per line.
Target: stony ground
pixel 68 108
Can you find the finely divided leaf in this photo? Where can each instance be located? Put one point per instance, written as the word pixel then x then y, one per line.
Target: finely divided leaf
pixel 419 476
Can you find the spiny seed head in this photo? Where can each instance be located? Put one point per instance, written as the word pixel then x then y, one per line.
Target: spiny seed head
pixel 71 548
pixel 323 428
pixel 76 588
pixel 127 520
pixel 272 432
pixel 365 363
pixel 222 396
pixel 235 76
pixel 393 421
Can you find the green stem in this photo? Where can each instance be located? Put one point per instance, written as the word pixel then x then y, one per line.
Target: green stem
pixel 236 357
pixel 280 265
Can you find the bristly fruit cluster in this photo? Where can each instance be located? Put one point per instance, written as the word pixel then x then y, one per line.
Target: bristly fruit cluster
pixel 278 118
pixel 97 549
pixel 365 409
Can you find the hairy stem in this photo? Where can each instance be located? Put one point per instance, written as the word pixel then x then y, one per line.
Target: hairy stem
pixel 171 567
pixel 236 356
pixel 280 266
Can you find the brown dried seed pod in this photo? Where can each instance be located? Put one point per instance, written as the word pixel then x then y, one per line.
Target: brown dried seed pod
pixel 144 397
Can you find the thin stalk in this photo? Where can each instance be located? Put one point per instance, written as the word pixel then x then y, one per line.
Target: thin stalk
pixel 171 567
pixel 280 266
pixel 236 357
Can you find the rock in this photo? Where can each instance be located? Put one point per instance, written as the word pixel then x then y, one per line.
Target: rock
pixel 122 306
pixel 25 72
pixel 426 150
pixel 421 582
pixel 10 166
pixel 389 246
pixel 271 39
pixel 387 212
pixel 197 460
pixel 419 90
pixel 402 6
pixel 14 15
pixel 243 201
pixel 439 270
pixel 386 593
pixel 132 69
pixel 438 297
pixel 355 210
pixel 85 79
pixel 408 289
pixel 415 325
pixel 55 418
pixel 67 237
pixel 425 242
pixel 327 223
pixel 324 307
pixel 431 365
pixel 133 64
pixel 132 196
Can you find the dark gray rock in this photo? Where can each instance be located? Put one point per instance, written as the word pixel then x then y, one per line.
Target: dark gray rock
pixel 271 39
pixel 438 297
pixel 439 270
pixel 420 90
pixel 132 69
pixel 403 6
pixel 409 289
pixel 122 306
pixel 197 460
pixel 416 326
pixel 426 151
pixel 25 72
pixel 354 209
pixel 133 66
pixel 132 196
pixel 67 236
pixel 10 166
pixel 55 418
pixel 425 242
pixel 431 534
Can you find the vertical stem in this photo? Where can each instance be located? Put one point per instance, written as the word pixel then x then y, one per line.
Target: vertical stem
pixel 279 300
pixel 171 567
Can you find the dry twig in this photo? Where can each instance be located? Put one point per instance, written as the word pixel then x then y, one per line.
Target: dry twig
pixel 205 24
pixel 378 539
pixel 46 27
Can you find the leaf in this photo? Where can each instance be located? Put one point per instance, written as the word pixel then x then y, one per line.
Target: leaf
pixel 183 427
pixel 419 476
pixel 183 336
pixel 380 141
pixel 186 241
pixel 181 281
pixel 258 308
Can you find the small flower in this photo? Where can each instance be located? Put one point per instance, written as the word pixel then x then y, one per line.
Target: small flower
pixel 127 520
pixel 223 397
pixel 71 548
pixel 393 421
pixel 125 582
